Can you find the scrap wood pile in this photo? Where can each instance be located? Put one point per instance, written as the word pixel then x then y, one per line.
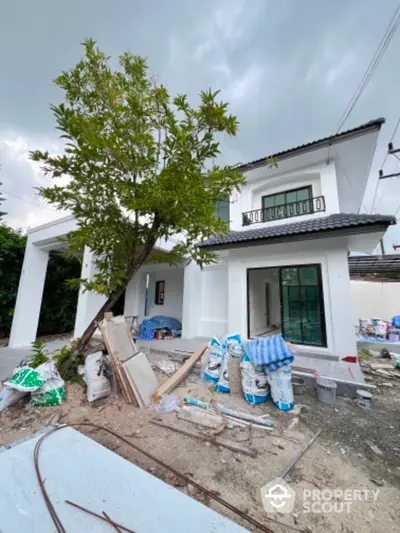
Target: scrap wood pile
pixel 133 374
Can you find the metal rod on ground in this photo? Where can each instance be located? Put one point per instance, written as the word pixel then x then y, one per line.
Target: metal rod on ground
pixel 111 522
pixel 300 455
pixel 99 516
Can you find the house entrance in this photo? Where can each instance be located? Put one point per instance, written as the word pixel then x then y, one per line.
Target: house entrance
pixel 287 300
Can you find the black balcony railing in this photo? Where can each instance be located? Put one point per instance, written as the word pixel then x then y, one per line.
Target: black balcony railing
pixel 293 209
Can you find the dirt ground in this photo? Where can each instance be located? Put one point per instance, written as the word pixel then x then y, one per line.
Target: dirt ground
pixel 357 449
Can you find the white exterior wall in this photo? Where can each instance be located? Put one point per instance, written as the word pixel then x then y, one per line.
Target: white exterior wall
pixel 173 295
pixel 331 254
pixel 374 299
pixel 260 182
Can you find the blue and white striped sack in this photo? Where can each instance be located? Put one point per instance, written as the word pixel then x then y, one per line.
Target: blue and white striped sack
pixel 271 351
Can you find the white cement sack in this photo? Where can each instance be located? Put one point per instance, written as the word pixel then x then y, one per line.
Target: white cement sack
pixel 98 386
pixel 281 388
pixel 254 381
pixel 9 396
pixel 216 357
pixel 232 346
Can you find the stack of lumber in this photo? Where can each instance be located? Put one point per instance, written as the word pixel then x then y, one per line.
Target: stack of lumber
pixel 134 376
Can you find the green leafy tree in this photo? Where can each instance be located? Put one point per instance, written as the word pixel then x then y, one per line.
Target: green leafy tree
pixel 2 213
pixel 141 168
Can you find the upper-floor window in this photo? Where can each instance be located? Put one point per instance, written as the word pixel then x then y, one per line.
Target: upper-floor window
pixel 281 205
pixel 222 210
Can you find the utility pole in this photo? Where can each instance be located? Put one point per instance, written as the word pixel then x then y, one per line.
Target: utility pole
pixel 391 151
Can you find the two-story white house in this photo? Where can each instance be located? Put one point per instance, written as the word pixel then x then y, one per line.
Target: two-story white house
pixel 283 266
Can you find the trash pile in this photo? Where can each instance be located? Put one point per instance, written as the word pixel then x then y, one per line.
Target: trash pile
pixel 378 330
pixel 43 383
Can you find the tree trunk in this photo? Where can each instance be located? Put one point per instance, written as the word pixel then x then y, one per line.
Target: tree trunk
pixel 88 333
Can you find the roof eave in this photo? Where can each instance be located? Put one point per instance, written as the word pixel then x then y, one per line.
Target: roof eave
pixel 323 143
pixel 312 235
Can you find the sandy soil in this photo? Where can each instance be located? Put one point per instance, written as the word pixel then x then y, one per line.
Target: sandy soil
pixel 357 449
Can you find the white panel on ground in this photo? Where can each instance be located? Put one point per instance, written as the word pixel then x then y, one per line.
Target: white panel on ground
pixel 29 298
pixel 97 479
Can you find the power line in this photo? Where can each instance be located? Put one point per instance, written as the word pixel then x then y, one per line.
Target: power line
pixel 391 139
pixel 379 52
pixel 25 200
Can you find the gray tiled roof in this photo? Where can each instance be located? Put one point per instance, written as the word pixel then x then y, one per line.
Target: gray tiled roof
pixel 313 145
pixel 340 221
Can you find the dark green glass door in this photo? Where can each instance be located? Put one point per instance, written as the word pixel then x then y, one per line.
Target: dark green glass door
pixel 302 307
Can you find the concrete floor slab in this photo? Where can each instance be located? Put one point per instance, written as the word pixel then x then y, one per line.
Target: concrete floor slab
pixel 11 357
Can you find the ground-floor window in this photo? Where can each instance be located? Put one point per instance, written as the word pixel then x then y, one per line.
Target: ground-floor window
pixel 302 305
pixel 287 300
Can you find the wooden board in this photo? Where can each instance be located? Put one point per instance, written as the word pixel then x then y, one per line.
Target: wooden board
pixel 218 441
pixel 174 380
pixel 143 377
pixel 379 366
pixel 119 339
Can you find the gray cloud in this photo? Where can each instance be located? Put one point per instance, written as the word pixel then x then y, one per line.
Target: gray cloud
pixel 288 69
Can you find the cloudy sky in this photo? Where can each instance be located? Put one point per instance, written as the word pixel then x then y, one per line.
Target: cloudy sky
pixel 288 69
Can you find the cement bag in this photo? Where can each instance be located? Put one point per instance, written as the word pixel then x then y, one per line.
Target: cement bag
pixel 254 381
pixel 28 379
pixel 9 396
pixel 52 392
pixel 234 348
pixel 281 387
pixel 98 386
pixel 217 351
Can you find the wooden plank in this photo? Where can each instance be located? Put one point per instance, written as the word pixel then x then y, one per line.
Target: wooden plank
pixel 217 441
pixel 174 380
pixel 383 366
pixel 127 385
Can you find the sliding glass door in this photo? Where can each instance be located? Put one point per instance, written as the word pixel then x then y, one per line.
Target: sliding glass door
pixel 302 306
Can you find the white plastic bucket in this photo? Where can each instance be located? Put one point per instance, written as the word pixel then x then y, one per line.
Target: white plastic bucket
pixel 364 323
pixel 326 390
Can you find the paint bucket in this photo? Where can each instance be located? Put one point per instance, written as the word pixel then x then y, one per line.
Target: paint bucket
pixel 364 398
pixel 375 322
pixel 298 386
pixel 326 390
pixel 393 335
pixel 364 323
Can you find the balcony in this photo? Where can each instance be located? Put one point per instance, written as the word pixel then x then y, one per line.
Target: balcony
pixel 290 210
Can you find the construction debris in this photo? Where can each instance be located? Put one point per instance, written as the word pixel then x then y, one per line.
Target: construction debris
pixel 133 373
pixel 174 380
pixel 217 441
pixel 232 412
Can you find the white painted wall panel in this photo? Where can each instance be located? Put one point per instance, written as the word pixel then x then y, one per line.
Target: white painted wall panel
pixel 371 299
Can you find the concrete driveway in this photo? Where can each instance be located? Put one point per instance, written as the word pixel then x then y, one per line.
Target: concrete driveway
pixel 11 357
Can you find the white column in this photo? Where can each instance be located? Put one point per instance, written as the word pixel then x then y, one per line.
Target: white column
pixel 343 334
pixel 29 298
pixel 191 309
pixel 237 297
pixel 89 302
pixel 133 299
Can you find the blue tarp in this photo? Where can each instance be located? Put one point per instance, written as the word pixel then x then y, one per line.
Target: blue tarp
pixel 149 325
pixel 271 351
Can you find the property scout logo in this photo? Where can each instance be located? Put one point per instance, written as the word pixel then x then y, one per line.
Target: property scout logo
pixel 278 497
